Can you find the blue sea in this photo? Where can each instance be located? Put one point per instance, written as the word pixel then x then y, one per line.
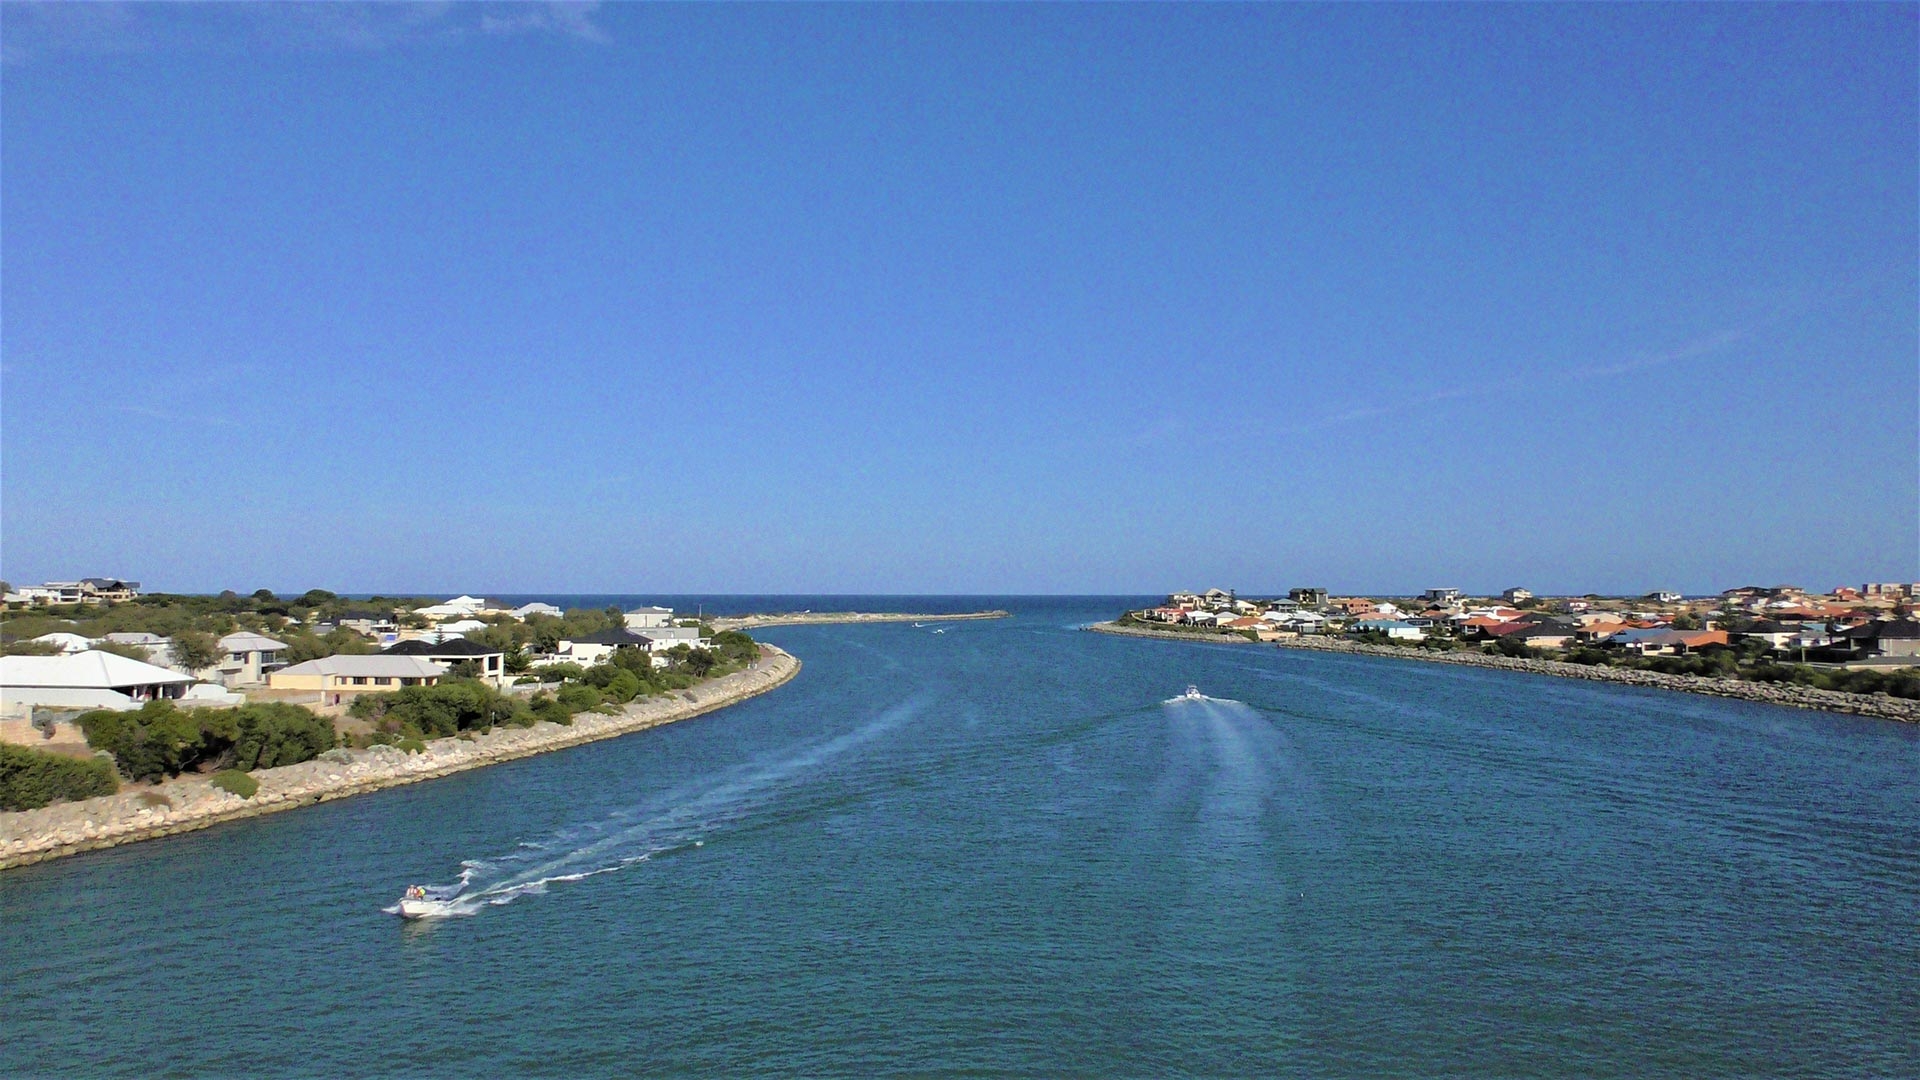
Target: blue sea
pixel 1004 849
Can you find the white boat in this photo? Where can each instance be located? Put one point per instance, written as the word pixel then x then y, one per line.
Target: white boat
pixel 1193 694
pixel 421 902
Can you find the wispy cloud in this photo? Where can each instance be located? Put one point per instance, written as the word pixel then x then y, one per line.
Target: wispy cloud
pixel 1697 349
pixel 151 413
pixel 36 30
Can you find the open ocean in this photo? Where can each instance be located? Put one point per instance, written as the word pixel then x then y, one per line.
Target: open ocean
pixel 1001 850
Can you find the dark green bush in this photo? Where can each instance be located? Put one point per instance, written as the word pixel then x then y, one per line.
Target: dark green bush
pixel 434 712
pixel 158 740
pixel 33 778
pixel 236 782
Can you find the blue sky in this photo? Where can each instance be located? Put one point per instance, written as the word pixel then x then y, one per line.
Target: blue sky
pixel 515 298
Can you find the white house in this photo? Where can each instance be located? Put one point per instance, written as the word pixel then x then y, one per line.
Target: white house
pixel 65 642
pixel 459 607
pixel 662 638
pixel 590 649
pixel 535 608
pixel 84 680
pixel 649 618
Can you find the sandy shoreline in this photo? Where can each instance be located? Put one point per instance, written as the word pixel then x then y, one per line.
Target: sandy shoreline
pixel 187 804
pixel 825 618
pixel 1798 697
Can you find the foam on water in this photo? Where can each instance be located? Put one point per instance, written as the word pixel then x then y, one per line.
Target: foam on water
pixel 678 819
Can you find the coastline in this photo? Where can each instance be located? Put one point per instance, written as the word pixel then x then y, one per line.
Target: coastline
pixel 187 804
pixel 826 618
pixel 1798 697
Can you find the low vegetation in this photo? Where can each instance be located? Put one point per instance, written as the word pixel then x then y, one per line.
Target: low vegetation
pixel 236 782
pixel 30 779
pixel 159 740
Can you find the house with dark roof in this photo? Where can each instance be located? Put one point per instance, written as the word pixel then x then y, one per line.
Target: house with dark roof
pixel 590 649
pixel 1882 640
pixel 492 662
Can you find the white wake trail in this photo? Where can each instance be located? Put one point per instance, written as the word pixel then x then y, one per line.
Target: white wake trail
pixel 678 819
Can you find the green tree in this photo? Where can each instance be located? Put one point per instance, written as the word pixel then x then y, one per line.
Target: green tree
pixel 195 650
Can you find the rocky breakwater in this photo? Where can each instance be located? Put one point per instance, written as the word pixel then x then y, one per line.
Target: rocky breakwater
pixel 186 804
pixel 823 618
pixel 1798 697
pixel 1787 694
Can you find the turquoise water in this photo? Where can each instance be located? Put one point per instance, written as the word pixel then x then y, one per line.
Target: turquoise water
pixel 998 850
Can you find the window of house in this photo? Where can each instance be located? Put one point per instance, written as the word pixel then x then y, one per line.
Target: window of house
pixel 383 681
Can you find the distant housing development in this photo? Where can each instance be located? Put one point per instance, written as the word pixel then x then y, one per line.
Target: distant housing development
pixel 1869 627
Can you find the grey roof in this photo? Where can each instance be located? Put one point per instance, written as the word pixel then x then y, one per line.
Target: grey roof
pixel 248 641
pixel 378 664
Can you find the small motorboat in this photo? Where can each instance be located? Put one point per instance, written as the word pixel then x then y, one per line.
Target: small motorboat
pixel 1193 694
pixel 424 902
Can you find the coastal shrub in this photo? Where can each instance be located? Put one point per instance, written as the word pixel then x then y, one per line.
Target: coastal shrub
pixel 437 711
pixel 544 706
pixel 236 782
pixel 269 734
pixel 158 740
pixel 151 742
pixel 735 647
pixel 577 697
pixel 30 779
pixel 557 672
pixel 614 682
pixel 410 744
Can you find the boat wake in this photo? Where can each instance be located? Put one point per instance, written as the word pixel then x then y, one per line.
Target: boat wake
pixel 679 819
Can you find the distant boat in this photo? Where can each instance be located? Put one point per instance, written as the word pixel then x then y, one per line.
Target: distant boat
pixel 1193 694
pixel 942 630
pixel 422 902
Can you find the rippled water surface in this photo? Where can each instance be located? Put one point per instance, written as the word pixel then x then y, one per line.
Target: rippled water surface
pixel 1002 849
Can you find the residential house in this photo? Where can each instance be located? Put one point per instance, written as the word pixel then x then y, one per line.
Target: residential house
pixel 341 678
pixel 536 608
pixel 90 679
pixel 590 649
pixel 65 642
pixel 1664 597
pixel 662 638
pixel 1393 628
pixel 490 663
pixel 1878 639
pixel 460 607
pixel 159 650
pixel 1441 596
pixel 1516 595
pixel 1776 635
pixel 649 618
pixel 1311 597
pixel 248 658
